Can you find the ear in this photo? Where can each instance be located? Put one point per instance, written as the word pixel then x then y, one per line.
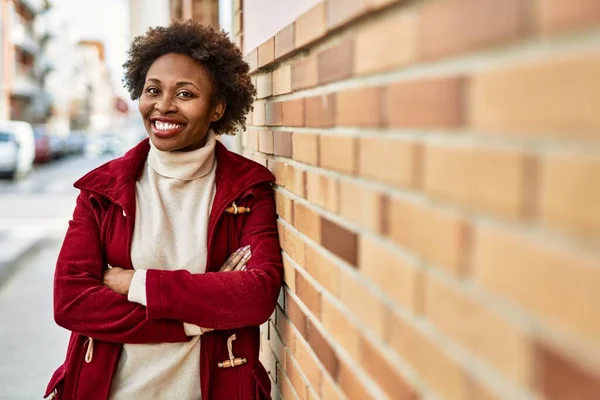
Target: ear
pixel 218 111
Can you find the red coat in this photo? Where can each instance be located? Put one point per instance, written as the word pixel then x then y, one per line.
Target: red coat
pixel 100 233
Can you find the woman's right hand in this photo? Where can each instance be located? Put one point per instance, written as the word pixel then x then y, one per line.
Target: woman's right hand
pixel 237 261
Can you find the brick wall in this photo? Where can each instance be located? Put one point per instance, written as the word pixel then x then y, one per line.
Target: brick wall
pixel 438 192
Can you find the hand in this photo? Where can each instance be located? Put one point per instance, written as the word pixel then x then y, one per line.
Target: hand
pixel 118 279
pixel 237 261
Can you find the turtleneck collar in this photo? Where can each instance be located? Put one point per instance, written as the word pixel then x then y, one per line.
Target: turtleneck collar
pixel 184 165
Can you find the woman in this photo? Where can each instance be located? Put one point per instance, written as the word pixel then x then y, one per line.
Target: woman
pixel 159 240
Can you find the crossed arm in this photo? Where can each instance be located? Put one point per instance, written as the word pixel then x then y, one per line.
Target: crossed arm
pixel 220 300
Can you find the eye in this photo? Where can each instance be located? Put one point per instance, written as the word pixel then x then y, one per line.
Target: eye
pixel 185 94
pixel 152 90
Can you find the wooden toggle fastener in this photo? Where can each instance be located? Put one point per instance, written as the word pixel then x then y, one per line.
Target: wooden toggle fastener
pixel 233 361
pixel 234 209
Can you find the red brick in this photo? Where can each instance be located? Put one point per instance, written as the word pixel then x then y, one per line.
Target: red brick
pixel 384 372
pixel 545 98
pixel 359 107
pixel 431 103
pixel 322 190
pixel 320 111
pixel 361 205
pixel 282 80
pixel 266 52
pixel 258 115
pixel 284 41
pixel 339 240
pixel 490 22
pixel 530 271
pixel 306 148
pixel 396 277
pixel 295 180
pixel 252 59
pixel 556 16
pixel 252 141
pixel 336 63
pixel 296 315
pixel 305 73
pixel 340 12
pixel 338 152
pixel 264 85
pixel 293 112
pixel 569 193
pixel 280 170
pixel 393 161
pixel 265 141
pixel 289 274
pixel 293 245
pixel 287 390
pixel 310 368
pixel 351 384
pixel 475 326
pixel 341 329
pixel 282 143
pixel 309 295
pixel 307 221
pixel 437 235
pixel 322 269
pixel 373 52
pixel 425 355
pixel 364 305
pixel 311 25
pixel 482 178
pixel 285 206
pixel 558 377
pixel 273 113
pixel 323 350
pixel 293 372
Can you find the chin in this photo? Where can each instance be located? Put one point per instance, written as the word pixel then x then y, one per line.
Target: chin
pixel 165 144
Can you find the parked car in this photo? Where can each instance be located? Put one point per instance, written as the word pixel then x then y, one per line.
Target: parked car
pixel 17 148
pixel 104 144
pixel 43 152
pixel 75 143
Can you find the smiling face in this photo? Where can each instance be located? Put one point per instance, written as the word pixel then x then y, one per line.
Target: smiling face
pixel 176 103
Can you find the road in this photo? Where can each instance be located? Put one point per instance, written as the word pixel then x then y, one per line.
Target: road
pixel 34 209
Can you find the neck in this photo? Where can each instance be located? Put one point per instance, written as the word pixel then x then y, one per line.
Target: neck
pixel 184 165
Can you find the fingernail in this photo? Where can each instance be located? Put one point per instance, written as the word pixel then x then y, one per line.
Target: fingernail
pixel 247 247
pixel 248 254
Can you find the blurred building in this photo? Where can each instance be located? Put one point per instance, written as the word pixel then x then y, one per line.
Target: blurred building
pixel 24 68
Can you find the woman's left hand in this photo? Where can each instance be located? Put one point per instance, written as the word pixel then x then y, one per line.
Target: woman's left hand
pixel 118 279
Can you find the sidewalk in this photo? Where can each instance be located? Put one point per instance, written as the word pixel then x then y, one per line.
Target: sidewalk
pixel 31 344
pixel 14 245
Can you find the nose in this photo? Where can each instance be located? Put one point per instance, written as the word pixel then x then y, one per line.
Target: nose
pixel 165 105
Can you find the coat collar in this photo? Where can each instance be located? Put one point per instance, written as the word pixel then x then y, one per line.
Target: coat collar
pixel 116 179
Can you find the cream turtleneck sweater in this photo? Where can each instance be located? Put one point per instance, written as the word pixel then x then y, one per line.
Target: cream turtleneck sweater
pixel 174 196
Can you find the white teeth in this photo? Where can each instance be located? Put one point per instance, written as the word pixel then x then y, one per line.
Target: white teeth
pixel 165 126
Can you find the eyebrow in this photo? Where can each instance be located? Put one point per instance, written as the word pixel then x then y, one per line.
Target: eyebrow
pixel 179 84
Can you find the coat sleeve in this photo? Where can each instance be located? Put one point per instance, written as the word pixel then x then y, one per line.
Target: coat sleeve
pixel 82 304
pixel 226 300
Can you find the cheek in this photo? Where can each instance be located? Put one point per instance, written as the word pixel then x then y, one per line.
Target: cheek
pixel 144 106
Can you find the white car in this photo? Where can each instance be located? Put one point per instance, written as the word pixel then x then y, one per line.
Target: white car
pixel 17 148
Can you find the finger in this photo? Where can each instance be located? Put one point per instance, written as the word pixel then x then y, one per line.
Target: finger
pixel 234 259
pixel 243 261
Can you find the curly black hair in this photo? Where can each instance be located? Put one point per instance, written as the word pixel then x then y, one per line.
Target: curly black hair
pixel 213 50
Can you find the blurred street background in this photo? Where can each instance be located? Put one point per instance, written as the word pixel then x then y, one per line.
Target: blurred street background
pixel 437 169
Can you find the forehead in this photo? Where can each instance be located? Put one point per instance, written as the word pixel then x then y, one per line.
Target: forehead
pixel 176 67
